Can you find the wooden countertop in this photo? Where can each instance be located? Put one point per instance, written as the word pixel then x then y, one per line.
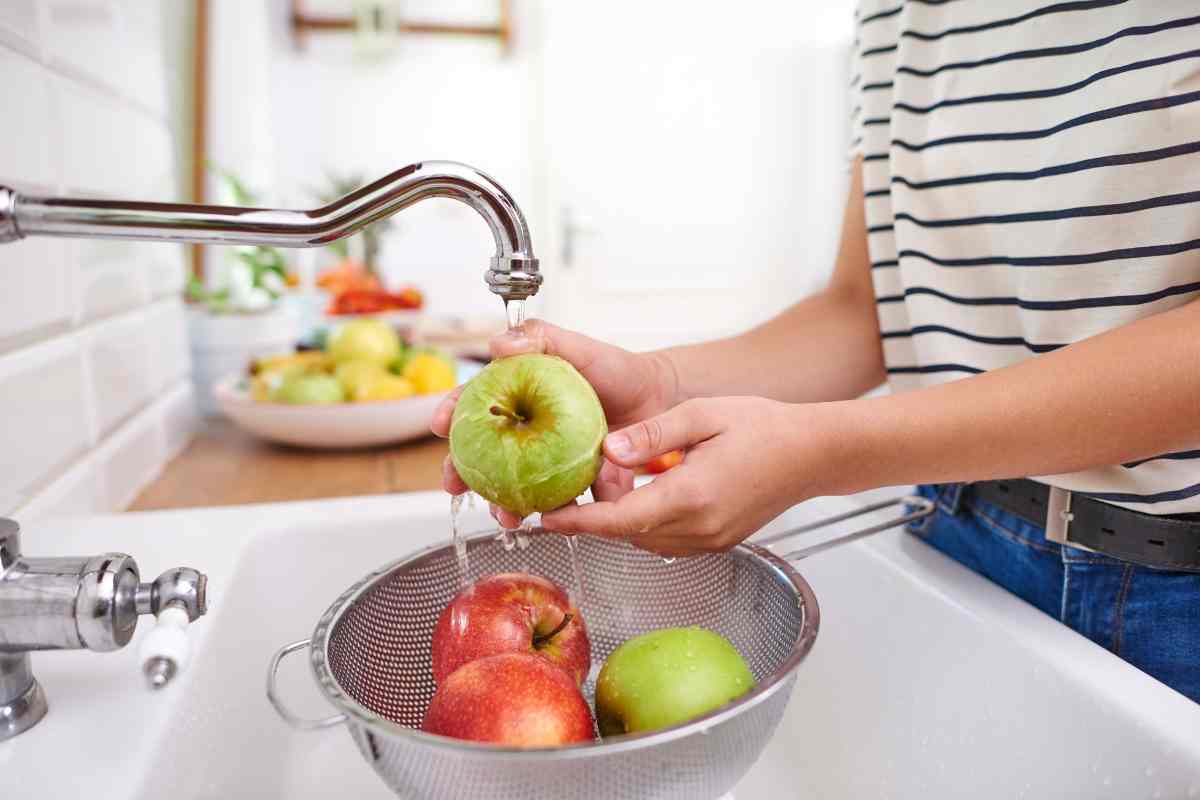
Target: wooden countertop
pixel 225 466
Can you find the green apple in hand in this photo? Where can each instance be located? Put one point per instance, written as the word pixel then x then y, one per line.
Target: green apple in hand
pixel 526 433
pixel 667 677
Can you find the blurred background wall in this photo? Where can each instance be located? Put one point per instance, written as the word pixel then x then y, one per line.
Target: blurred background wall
pixel 681 164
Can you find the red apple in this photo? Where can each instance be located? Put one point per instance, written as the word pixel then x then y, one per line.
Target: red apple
pixel 514 699
pixel 511 613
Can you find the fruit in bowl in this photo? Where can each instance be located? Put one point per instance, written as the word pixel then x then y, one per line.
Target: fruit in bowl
pixel 364 340
pixel 526 433
pixel 309 389
pixel 366 358
pixel 667 677
pixel 429 373
pixel 512 699
pixel 511 613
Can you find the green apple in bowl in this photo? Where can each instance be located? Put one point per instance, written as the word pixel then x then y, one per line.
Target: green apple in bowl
pixel 526 433
pixel 668 677
pixel 309 389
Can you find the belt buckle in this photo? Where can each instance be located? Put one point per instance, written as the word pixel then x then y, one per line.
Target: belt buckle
pixel 1059 517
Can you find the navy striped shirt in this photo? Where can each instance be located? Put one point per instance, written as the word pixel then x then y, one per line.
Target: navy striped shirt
pixel 1032 178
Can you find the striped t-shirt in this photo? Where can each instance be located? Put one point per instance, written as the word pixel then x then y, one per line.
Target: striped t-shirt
pixel 1032 178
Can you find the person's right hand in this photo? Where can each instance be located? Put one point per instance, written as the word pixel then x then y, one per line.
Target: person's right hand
pixel 631 387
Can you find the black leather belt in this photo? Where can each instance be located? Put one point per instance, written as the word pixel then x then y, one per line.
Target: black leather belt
pixel 1164 542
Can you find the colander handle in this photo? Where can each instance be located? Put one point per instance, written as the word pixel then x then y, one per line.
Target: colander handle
pixel 921 507
pixel 273 695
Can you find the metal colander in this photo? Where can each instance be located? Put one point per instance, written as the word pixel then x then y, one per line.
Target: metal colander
pixel 370 654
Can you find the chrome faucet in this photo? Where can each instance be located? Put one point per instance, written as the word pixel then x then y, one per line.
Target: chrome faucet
pixel 83 603
pixel 513 273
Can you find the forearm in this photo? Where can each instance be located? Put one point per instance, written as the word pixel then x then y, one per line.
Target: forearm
pixel 824 348
pixel 1131 393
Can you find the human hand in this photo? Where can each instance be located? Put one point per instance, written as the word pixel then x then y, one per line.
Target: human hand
pixel 747 460
pixel 631 387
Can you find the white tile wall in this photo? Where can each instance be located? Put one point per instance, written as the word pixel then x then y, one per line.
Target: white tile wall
pixel 95 391
pixel 28 128
pixel 166 269
pixel 83 36
pixel 110 277
pixel 36 299
pixel 46 422
pixel 118 362
pixel 180 418
pixel 132 459
pixel 19 22
pixel 167 351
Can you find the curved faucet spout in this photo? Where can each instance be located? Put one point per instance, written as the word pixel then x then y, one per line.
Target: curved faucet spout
pixel 513 274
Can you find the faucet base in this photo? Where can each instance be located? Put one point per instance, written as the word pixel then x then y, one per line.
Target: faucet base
pixel 23 712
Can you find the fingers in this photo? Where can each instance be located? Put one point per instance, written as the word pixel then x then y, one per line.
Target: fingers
pixel 683 426
pixel 451 481
pixel 504 517
pixel 440 423
pixel 612 483
pixel 537 336
pixel 633 514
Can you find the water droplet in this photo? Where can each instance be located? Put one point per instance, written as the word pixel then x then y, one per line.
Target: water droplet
pixel 668 559
pixel 1157 794
pixel 1148 771
pixel 1107 780
pixel 460 544
pixel 576 593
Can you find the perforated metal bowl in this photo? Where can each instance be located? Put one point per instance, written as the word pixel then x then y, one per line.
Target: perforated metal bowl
pixel 370 655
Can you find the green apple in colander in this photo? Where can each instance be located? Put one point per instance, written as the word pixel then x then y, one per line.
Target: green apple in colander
pixel 526 433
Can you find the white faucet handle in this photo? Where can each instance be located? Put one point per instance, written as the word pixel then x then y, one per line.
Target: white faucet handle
pixel 165 651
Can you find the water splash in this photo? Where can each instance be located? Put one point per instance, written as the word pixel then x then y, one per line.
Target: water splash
pixel 460 544
pixel 522 534
pixel 576 591
pixel 515 311
pixel 507 538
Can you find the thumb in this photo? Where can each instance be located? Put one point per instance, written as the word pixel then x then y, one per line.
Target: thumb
pixel 685 425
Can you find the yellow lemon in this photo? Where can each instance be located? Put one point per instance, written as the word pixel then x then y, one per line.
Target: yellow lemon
pixel 293 363
pixel 430 374
pixel 384 386
pixel 356 374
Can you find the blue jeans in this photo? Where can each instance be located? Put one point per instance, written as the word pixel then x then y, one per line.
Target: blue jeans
pixel 1149 617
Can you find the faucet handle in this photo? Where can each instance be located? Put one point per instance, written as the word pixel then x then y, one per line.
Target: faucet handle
pixel 182 586
pixel 176 598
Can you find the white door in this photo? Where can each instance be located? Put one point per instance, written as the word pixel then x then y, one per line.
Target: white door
pixel 695 162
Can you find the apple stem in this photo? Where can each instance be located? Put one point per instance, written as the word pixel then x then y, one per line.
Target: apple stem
pixel 500 411
pixel 538 641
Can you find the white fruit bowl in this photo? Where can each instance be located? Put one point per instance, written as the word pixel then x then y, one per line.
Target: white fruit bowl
pixel 331 427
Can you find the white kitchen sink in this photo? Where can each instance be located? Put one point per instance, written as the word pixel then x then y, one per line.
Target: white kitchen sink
pixel 925 681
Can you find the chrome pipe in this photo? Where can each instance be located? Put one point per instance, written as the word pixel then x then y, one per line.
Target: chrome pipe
pixel 513 272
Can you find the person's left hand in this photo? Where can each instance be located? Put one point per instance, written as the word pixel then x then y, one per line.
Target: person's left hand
pixel 747 460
